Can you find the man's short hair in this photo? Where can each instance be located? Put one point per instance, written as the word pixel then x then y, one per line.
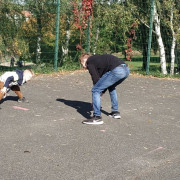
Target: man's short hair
pixel 82 56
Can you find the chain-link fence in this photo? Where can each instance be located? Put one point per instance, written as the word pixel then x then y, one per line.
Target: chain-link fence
pixel 28 31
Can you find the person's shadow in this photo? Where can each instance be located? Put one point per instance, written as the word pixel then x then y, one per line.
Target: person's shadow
pixel 84 108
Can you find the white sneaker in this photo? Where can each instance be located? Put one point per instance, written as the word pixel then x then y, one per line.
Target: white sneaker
pixel 115 115
pixel 96 120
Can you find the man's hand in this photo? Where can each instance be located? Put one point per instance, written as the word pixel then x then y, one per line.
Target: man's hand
pixel 4 90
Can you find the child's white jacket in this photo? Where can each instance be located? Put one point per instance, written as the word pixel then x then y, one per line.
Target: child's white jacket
pixel 12 78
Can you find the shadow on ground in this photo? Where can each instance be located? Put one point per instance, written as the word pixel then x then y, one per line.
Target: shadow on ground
pixel 83 108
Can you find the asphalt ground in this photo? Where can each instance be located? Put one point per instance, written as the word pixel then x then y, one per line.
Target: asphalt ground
pixel 46 140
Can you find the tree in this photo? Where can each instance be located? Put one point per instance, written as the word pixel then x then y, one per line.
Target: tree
pixel 112 24
pixel 165 29
pixel 171 19
pixel 142 14
pixel 157 25
pixel 83 13
pixel 66 28
pixel 42 24
pixel 10 28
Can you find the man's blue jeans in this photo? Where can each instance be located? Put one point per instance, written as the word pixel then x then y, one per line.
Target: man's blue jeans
pixel 108 81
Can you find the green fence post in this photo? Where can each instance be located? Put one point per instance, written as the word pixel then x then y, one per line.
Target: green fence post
pixel 150 36
pixel 57 35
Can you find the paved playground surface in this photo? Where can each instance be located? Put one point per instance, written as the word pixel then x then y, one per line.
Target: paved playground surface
pixel 45 139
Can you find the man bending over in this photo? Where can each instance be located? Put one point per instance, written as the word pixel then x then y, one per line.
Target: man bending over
pixel 107 71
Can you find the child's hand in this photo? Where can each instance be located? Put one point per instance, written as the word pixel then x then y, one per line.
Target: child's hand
pixel 4 90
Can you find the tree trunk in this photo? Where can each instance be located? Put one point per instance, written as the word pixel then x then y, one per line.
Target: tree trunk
pixel 173 55
pixel 144 45
pixel 65 48
pixel 160 41
pixel 97 37
pixel 173 45
pixel 38 50
pixel 39 35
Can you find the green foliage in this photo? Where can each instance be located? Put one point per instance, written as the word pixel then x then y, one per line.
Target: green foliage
pixel 43 68
pixel 70 66
pixel 10 23
pixel 112 20
pixel 155 69
pixel 49 68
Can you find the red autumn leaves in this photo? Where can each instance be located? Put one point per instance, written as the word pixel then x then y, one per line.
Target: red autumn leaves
pixel 132 35
pixel 82 11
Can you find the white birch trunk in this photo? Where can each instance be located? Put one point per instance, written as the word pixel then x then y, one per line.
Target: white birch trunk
pixel 65 48
pixel 97 37
pixel 160 41
pixel 173 45
pixel 38 50
pixel 173 55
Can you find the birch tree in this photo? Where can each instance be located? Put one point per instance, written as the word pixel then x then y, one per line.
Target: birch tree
pixel 172 20
pixel 66 26
pixel 173 42
pixel 157 25
pixel 164 18
pixel 65 46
